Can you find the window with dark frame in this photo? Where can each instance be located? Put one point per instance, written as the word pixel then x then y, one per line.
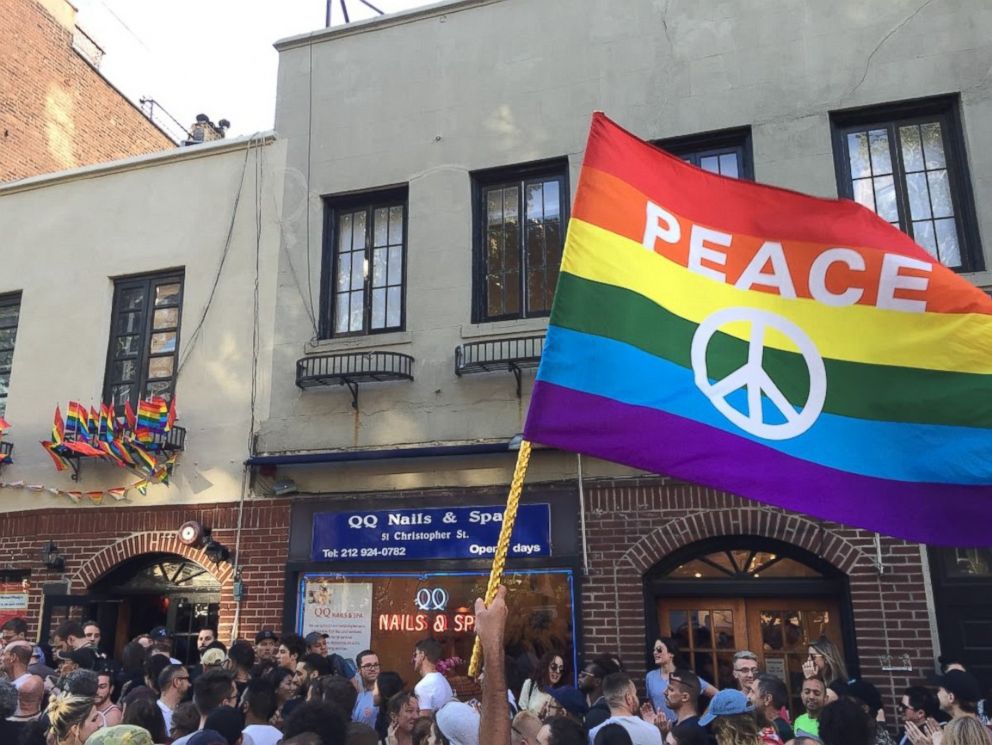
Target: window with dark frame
pixel 364 266
pixel 520 215
pixel 10 311
pixel 144 338
pixel 906 163
pixel 725 151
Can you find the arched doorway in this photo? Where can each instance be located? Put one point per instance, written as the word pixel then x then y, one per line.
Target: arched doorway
pixel 156 589
pixel 725 594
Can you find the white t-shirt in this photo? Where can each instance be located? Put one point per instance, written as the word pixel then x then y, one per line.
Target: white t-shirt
pixel 641 733
pixel 167 715
pixel 261 734
pixel 433 691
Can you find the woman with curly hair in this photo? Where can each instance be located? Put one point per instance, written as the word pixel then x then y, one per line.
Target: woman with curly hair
pixel 826 663
pixel 535 695
pixel 73 719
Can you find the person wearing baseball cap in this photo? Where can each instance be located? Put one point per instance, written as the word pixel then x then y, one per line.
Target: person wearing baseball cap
pixel 266 644
pixel 83 658
pixel 958 693
pixel 732 717
pixel 316 643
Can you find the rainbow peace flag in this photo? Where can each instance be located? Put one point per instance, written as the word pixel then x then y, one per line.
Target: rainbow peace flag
pixel 793 350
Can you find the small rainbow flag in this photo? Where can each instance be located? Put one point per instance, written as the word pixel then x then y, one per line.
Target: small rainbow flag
pixel 77 421
pixel 58 427
pixel 794 350
pixel 153 414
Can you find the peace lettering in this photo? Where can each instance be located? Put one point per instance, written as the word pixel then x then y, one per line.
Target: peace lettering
pixel 837 276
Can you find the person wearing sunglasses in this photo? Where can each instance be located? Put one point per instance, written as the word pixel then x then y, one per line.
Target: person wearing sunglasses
pixel 535 696
pixel 664 652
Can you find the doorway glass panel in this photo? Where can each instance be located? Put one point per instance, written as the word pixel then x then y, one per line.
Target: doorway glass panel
pixel 709 631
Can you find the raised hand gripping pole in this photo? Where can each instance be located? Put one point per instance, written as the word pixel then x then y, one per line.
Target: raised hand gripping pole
pixel 503 545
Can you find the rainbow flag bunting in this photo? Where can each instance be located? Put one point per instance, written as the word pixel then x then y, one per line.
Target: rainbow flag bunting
pixel 794 350
pixel 3 424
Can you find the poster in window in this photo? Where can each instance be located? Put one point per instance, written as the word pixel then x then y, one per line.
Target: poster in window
pixel 13 601
pixel 342 610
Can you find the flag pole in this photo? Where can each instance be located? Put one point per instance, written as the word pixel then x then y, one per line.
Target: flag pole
pixel 503 545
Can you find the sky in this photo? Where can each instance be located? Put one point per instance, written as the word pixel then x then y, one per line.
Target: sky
pixel 213 57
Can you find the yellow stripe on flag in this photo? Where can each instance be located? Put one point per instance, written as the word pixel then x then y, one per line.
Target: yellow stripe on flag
pixel 856 333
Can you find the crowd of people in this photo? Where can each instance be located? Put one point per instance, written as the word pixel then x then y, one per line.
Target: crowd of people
pixel 293 690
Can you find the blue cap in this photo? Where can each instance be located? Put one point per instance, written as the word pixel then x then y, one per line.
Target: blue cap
pixel 570 698
pixel 724 704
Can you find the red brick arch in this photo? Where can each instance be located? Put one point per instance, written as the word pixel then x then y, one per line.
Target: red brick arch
pixel 756 521
pixel 138 544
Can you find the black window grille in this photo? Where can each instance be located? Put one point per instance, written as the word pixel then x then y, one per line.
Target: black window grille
pixel 726 151
pixel 364 266
pixel 144 338
pixel 906 162
pixel 520 216
pixel 10 310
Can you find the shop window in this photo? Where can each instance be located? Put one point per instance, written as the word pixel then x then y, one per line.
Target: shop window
pixel 520 215
pixel 144 338
pixel 364 265
pixel 390 613
pixel 10 309
pixel 906 163
pixel 726 152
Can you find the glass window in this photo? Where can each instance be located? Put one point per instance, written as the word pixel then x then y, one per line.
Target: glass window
pixel 742 563
pixel 520 221
pixel 10 310
pixel 144 342
pixel 903 164
pixel 727 152
pixel 390 613
pixel 364 264
pixel 966 562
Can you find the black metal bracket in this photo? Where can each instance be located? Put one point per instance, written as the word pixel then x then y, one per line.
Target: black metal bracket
pixel 76 464
pixel 353 387
pixel 513 355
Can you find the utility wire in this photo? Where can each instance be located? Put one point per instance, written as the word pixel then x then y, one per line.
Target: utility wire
pixel 195 336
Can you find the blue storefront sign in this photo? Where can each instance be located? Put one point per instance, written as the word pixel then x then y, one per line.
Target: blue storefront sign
pixel 429 533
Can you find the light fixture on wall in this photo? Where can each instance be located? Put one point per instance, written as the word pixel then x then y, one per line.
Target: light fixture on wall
pixel 215 550
pixel 52 557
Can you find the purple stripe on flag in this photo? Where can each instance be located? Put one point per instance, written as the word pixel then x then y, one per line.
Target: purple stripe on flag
pixel 939 514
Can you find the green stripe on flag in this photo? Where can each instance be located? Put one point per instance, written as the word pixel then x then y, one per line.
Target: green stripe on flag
pixel 863 391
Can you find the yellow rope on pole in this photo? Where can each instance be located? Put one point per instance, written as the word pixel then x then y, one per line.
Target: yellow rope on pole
pixel 503 545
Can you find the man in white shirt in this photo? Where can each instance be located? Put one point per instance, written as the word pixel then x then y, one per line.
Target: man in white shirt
pixel 173 682
pixel 259 704
pixel 432 691
pixel 621 696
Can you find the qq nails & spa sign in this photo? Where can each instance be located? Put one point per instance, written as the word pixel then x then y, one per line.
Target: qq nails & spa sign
pixel 429 533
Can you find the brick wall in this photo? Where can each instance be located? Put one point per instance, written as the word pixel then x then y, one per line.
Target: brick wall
pixel 633 525
pixel 56 111
pixel 94 540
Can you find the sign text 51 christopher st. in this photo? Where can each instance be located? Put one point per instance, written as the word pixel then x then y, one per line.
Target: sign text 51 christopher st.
pixel 429 533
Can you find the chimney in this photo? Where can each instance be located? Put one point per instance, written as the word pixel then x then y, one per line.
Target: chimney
pixel 204 130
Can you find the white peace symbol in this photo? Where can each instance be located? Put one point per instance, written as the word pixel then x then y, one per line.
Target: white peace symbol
pixel 752 376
